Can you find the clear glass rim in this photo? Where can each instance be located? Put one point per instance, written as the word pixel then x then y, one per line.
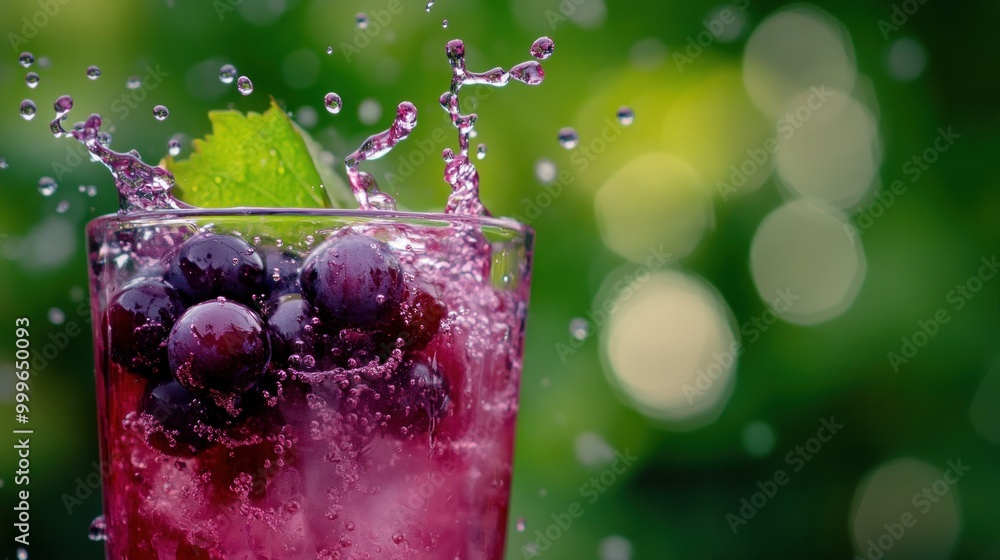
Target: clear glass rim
pixel 508 224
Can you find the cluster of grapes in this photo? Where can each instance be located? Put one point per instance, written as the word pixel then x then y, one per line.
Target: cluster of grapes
pixel 224 331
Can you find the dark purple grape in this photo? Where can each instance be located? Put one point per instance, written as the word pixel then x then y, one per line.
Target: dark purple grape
pixel 218 346
pixel 414 399
pixel 183 419
pixel 416 322
pixel 139 318
pixel 281 270
pixel 292 332
pixel 354 280
pixel 208 266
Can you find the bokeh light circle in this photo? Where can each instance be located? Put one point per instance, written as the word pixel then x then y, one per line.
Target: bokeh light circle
pixel 806 255
pixel 669 346
pixel 906 59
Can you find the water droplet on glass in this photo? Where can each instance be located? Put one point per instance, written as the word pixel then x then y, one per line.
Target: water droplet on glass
pixel 62 207
pixel 31 78
pixel 542 48
pixel 174 147
pixel 521 525
pixel 93 72
pixel 361 20
pixel 28 109
pixel 98 529
pixel 568 138
pixel 333 102
pixel 22 554
pixel 133 82
pixel 26 59
pixel 47 186
pixel 444 23
pixel 545 171
pixel 244 85
pixel 625 115
pixel 56 316
pixel 161 112
pixel 329 50
pixel 481 151
pixel 227 74
pixel 579 328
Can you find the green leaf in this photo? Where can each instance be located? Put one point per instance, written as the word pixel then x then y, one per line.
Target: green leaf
pixel 256 160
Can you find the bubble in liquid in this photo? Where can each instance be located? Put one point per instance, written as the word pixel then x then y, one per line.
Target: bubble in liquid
pixel 93 72
pixel 62 207
pixel 47 186
pixel 444 23
pixel 161 112
pixel 98 529
pixel 361 20
pixel 568 138
pixel 625 115
pixel 28 109
pixel 227 74
pixel 542 48
pixel 57 316
pixel 521 525
pixel 31 78
pixel 26 59
pixel 579 328
pixel 244 85
pixel 481 151
pixel 133 82
pixel 174 147
pixel 333 103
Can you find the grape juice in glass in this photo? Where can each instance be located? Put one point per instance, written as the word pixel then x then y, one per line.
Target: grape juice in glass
pixel 307 384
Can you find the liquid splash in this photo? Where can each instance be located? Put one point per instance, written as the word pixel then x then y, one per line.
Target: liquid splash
pixel 141 187
pixel 363 184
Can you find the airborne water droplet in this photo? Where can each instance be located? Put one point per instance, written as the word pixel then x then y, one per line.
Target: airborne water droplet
pixel 93 72
pixel 481 151
pixel 329 50
pixel 444 23
pixel 174 147
pixel 62 207
pixel 333 102
pixel 227 74
pixel 545 171
pixel 26 59
pixel 28 109
pixel 361 20
pixel 161 112
pixel 98 529
pixel 244 85
pixel 542 48
pixel 579 328
pixel 133 82
pixel 521 525
pixel 47 186
pixel 568 138
pixel 3 163
pixel 430 4
pixel 625 116
pixel 31 78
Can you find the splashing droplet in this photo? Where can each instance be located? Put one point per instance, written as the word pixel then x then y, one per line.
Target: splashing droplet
pixel 521 525
pixel 57 316
pixel 363 184
pixel 481 151
pixel 98 529
pixel 244 85
pixel 329 50
pixel 227 73
pixel 568 138
pixel 333 103
pixel 174 147
pixel 93 72
pixel 62 207
pixel 579 328
pixel 161 112
pixel 430 4
pixel 31 78
pixel 133 82
pixel 47 186
pixel 542 48
pixel 529 72
pixel 26 59
pixel 361 20
pixel 28 109
pixel 444 23
pixel 545 171
pixel 625 115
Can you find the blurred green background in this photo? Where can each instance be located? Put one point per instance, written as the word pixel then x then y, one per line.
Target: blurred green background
pixel 789 238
